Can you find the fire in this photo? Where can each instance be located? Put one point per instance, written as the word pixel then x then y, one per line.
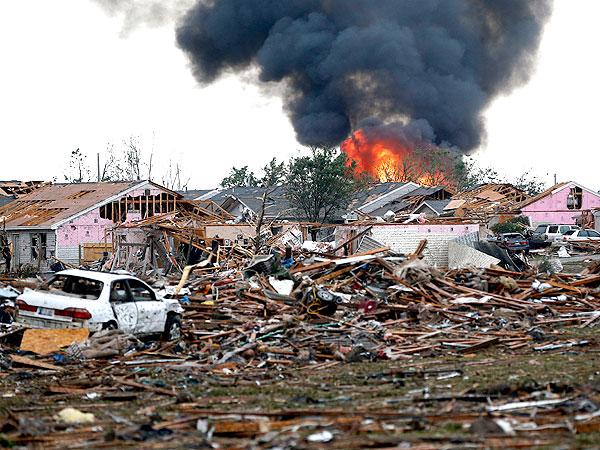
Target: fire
pixel 391 160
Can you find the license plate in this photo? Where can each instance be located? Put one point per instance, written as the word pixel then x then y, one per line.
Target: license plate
pixel 45 311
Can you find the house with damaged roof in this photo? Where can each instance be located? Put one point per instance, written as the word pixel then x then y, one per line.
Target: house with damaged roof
pixel 563 203
pixel 391 198
pixel 246 203
pixel 374 201
pixel 66 221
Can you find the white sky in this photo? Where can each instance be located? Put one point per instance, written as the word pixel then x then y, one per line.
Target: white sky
pixel 68 79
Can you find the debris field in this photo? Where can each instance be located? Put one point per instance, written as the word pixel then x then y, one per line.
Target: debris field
pixel 375 350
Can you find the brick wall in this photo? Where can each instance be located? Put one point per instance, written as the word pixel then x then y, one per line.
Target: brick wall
pixel 404 238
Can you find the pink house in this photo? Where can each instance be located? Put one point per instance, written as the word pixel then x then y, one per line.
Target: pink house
pixel 562 203
pixel 65 220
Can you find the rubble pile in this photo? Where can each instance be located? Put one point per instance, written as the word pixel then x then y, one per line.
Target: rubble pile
pixel 373 307
pixel 253 324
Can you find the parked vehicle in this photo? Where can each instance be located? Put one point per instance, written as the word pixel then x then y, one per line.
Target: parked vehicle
pixel 513 241
pixel 580 235
pixel 551 232
pixel 99 300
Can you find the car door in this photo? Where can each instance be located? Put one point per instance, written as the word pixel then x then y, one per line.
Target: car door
pixel 123 306
pixel 151 311
pixel 552 232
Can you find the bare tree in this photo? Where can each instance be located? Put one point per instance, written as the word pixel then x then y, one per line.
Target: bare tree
pixel 133 159
pixel 79 170
pixel 111 169
pixel 174 179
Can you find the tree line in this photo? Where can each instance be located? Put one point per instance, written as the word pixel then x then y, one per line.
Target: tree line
pixel 325 180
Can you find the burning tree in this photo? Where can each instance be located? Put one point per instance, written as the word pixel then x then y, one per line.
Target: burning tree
pixel 397 158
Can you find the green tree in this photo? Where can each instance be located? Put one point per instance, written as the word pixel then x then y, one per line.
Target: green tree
pixel 530 184
pixel 274 173
pixel 468 175
pixel 321 183
pixel 240 177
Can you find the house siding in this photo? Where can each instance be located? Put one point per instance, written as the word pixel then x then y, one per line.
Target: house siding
pixel 553 208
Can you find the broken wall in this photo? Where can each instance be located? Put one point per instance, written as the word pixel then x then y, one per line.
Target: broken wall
pixel 405 238
pixel 33 247
pixel 554 207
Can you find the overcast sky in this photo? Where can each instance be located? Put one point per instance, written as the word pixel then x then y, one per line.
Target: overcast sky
pixel 70 79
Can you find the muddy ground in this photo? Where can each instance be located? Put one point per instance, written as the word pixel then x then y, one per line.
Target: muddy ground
pixel 426 402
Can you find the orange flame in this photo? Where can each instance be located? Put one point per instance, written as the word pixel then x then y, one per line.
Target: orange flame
pixel 390 160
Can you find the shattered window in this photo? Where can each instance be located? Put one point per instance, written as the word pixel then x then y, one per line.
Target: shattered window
pixel 575 198
pixel 34 247
pixel 140 292
pixel 118 293
pixel 76 286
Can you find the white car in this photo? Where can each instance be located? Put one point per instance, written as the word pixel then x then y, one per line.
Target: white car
pixel 580 235
pixel 99 300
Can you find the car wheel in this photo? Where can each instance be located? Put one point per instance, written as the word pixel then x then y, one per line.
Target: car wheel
pixel 172 328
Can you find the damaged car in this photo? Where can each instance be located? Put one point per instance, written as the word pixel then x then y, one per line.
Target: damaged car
pixel 97 301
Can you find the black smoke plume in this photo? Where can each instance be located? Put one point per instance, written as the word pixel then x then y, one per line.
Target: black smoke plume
pixel 436 63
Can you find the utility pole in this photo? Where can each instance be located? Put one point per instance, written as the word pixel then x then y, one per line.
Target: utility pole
pixel 98 167
pixel 555 179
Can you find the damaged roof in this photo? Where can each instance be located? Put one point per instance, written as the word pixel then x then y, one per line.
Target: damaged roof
pixel 277 204
pixel 436 206
pixel 194 194
pixel 486 200
pixel 14 188
pixel 55 203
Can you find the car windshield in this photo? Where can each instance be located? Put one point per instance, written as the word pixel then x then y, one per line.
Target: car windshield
pixel 540 229
pixel 570 232
pixel 76 287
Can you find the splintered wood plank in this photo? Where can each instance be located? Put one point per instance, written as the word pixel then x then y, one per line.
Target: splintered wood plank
pixel 33 363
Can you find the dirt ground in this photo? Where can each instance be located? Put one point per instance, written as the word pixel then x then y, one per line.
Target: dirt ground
pixel 440 401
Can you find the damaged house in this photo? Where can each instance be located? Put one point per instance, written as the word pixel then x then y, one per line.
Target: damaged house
pixel 70 222
pixel 246 203
pixel 487 203
pixel 563 203
pixel 391 198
